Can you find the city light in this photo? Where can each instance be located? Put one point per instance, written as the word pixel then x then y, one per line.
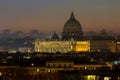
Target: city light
pixel 91 77
pixel 0 74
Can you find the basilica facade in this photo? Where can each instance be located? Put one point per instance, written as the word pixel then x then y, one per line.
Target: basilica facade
pixel 72 41
pixel 61 46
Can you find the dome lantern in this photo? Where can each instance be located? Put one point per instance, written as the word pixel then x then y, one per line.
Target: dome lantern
pixel 72 15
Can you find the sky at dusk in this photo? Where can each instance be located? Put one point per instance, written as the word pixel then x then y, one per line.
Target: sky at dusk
pixel 51 15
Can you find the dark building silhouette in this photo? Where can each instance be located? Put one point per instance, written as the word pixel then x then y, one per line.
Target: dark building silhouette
pixel 72 29
pixel 55 36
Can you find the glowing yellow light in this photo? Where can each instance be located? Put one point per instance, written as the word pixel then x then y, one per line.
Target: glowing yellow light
pixel 118 78
pixel 107 78
pixel 38 70
pixel 32 64
pixel 91 77
pixel 82 46
pixel 48 70
pixel 0 74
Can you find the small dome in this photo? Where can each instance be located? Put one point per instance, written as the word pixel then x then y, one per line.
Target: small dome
pixel 55 36
pixel 72 29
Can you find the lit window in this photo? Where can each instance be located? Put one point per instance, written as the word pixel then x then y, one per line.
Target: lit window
pixel 32 64
pixel 107 78
pixel 0 74
pixel 85 67
pixel 38 70
pixel 48 70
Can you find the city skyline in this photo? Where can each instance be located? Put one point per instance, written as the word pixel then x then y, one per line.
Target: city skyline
pixel 48 16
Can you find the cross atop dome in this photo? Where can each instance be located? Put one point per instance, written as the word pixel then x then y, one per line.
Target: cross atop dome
pixel 72 15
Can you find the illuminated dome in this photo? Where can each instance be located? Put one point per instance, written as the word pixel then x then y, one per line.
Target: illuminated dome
pixel 72 29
